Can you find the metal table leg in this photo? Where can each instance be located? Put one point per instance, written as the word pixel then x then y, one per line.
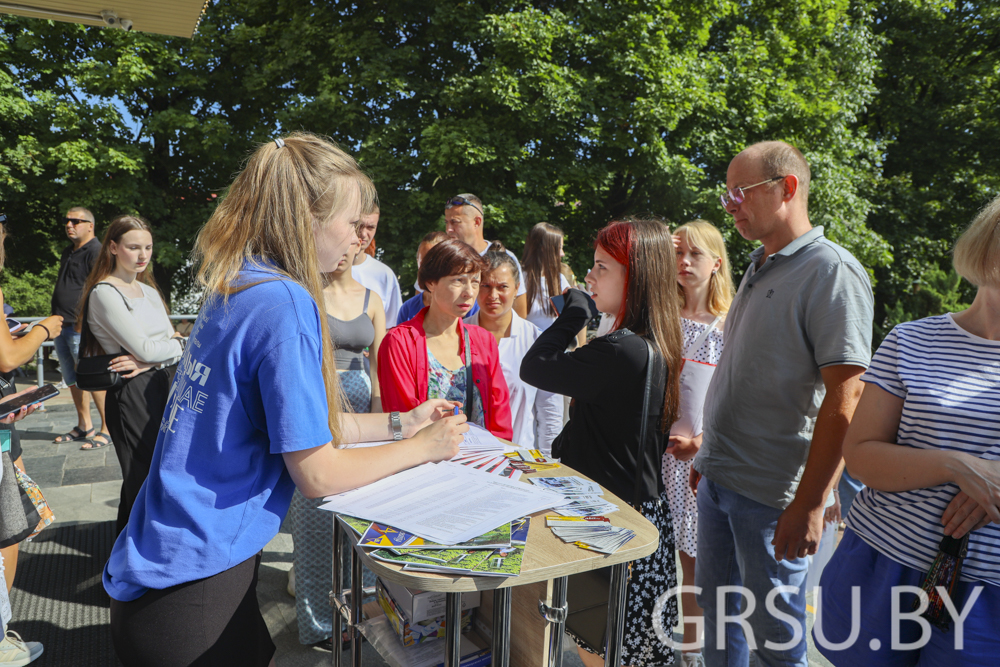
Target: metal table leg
pixel 356 595
pixel 453 630
pixel 337 593
pixel 616 615
pixel 501 627
pixel 557 617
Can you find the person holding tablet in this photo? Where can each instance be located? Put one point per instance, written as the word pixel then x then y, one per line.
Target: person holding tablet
pixel 436 355
pixel 607 379
pixel 254 412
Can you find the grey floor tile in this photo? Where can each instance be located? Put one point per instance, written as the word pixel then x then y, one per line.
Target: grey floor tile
pixel 46 479
pixel 92 459
pixel 91 475
pixel 36 449
pixel 105 492
pixel 37 464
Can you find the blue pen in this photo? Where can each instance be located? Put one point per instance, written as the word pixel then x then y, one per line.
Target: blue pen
pixel 457 411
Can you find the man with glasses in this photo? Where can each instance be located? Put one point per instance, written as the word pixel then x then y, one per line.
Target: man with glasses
pixel 463 219
pixel 77 260
pixel 798 337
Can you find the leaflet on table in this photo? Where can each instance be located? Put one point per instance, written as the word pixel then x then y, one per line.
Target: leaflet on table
pixel 444 502
pixel 380 535
pixel 498 563
pixel 594 533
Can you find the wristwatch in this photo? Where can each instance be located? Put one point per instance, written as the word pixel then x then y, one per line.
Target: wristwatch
pixel 396 425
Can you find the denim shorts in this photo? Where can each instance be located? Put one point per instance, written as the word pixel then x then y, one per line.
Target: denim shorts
pixel 67 345
pixel 856 563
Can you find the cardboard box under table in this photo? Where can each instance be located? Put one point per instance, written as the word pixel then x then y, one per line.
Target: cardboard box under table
pixel 534 602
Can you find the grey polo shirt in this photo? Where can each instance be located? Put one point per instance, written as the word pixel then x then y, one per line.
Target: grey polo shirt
pixel 809 306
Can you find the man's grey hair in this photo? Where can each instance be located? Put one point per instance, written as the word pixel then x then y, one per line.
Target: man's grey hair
pixel 778 158
pixel 468 196
pixel 84 210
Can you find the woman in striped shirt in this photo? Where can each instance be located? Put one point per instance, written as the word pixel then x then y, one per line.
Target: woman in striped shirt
pixel 925 440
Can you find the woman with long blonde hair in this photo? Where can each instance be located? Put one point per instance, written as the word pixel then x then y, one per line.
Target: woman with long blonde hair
pixel 254 411
pixel 705 287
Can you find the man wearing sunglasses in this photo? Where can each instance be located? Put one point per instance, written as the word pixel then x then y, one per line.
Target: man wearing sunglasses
pixel 77 260
pixel 798 337
pixel 463 219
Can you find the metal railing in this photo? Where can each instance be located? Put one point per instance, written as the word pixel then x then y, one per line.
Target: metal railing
pixel 40 357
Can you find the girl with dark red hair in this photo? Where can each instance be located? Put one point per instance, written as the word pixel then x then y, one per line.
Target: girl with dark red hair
pixel 633 280
pixel 437 355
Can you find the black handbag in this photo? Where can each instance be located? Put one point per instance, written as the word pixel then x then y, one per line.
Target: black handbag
pixel 92 373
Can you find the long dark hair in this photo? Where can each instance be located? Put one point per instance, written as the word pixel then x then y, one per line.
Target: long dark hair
pixel 541 260
pixel 650 304
pixel 104 267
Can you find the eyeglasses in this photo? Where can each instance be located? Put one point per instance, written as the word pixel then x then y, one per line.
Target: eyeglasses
pixel 736 195
pixel 74 221
pixel 460 201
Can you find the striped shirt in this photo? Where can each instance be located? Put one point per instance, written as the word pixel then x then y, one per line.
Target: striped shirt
pixel 949 381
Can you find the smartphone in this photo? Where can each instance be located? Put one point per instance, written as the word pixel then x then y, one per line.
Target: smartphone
pixel 36 395
pixel 559 302
pixel 14 325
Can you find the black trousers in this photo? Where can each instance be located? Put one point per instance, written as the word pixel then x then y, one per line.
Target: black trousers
pixel 212 622
pixel 134 411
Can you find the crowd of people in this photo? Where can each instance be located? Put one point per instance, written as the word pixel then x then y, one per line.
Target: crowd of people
pixel 722 413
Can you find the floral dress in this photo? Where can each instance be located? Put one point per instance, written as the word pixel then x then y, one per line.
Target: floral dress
pixel 683 506
pixel 450 385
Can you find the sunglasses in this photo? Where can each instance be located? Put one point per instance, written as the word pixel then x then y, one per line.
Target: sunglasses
pixel 74 221
pixel 460 201
pixel 737 196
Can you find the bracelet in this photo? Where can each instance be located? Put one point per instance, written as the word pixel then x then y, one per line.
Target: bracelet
pixel 396 425
pixel 48 334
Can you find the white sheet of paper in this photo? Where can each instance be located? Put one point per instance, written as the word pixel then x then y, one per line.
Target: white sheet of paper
pixel 444 502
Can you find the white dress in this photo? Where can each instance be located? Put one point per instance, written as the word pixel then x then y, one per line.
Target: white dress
pixel 683 506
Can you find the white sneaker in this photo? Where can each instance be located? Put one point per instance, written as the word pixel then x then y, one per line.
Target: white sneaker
pixel 692 660
pixel 16 651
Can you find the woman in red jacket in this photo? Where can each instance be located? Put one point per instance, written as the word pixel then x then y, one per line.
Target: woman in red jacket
pixel 432 355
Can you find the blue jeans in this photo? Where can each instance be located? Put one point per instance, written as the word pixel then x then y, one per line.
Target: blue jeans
pixel 849 488
pixel 734 549
pixel 67 345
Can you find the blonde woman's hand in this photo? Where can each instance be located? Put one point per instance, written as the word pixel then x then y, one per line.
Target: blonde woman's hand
pixel 128 366
pixel 426 414
pixel 442 438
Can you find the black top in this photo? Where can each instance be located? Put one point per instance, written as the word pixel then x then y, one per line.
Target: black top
pixel 606 377
pixel 74 267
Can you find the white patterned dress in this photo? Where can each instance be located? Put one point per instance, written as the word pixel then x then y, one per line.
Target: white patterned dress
pixel 683 506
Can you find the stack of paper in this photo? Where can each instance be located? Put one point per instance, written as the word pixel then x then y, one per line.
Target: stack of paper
pixel 585 497
pixel 444 502
pixel 482 451
pixel 496 553
pixel 594 533
pixel 531 460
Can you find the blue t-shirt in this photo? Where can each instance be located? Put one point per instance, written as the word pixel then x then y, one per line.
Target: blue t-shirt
pixel 248 388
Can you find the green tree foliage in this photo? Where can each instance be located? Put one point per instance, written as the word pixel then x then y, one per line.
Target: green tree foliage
pixel 579 112
pixel 571 112
pixel 936 119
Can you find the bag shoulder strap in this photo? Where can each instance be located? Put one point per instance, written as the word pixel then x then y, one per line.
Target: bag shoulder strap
pixel 641 454
pixel 128 304
pixel 702 337
pixel 468 376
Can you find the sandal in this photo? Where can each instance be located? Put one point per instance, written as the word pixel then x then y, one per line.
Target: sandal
pixel 75 435
pixel 94 443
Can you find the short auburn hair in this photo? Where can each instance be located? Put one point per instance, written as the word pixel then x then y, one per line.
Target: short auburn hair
pixel 449 258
